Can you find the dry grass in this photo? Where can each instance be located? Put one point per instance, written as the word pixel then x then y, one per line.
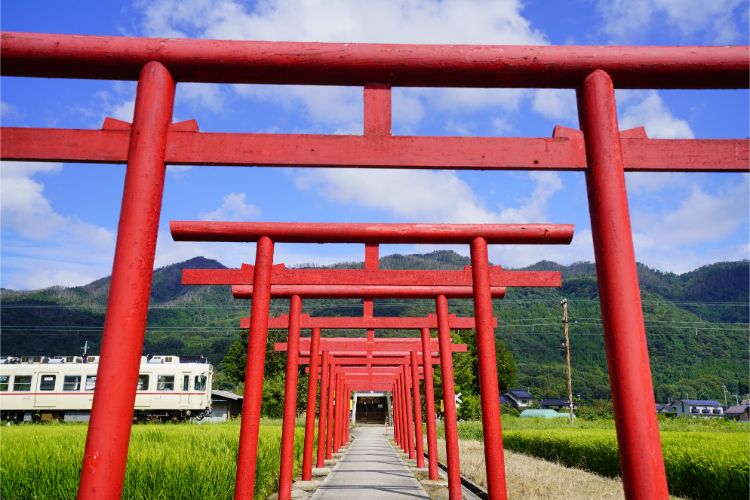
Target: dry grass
pixel 529 477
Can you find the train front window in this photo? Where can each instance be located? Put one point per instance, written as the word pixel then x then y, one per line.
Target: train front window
pixel 72 383
pixel 165 383
pixel 4 379
pixel 90 383
pixel 47 383
pixel 142 382
pixel 22 383
pixel 200 382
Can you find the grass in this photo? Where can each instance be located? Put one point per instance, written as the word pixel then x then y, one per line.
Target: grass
pixel 164 460
pixel 703 458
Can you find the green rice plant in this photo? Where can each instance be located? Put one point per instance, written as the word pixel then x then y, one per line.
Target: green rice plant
pixel 164 460
pixel 703 458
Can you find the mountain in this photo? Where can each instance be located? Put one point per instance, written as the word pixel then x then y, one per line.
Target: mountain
pixel 697 322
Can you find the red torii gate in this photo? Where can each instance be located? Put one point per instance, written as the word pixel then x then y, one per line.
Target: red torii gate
pixel 364 366
pixel 371 352
pixel 602 153
pixel 368 283
pixel 480 285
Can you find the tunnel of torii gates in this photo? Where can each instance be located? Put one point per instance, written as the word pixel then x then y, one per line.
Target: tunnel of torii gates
pixel 600 150
pixel 480 281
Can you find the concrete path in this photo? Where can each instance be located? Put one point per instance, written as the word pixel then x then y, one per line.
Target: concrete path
pixel 370 469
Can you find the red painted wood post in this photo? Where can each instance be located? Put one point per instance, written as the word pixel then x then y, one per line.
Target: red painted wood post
pixel 487 360
pixel 450 419
pixel 331 416
pixel 397 415
pixel 429 398
pixel 323 417
pixel 312 390
pixel 348 415
pixel 641 460
pixel 419 451
pixel 338 404
pixel 290 399
pixel 105 457
pixel 409 413
pixel 256 360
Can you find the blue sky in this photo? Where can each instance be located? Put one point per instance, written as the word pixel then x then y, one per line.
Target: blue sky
pixel 59 221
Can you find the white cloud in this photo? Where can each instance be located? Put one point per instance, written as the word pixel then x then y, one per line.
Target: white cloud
pixel 7 110
pixel 41 245
pixel 23 206
pixel 424 195
pixel 700 218
pixel 652 113
pixel 387 21
pixel 718 21
pixel 534 209
pixel 556 104
pixel 201 95
pixel 233 208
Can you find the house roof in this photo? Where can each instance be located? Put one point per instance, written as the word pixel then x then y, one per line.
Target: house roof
pixel 704 402
pixel 519 393
pixel 226 395
pixel 736 410
pixel 504 399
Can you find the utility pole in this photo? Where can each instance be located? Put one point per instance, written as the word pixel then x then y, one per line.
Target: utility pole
pixel 724 390
pixel 564 303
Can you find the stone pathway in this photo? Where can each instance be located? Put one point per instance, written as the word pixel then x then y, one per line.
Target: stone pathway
pixel 370 469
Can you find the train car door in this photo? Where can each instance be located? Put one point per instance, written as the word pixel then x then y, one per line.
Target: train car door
pixel 45 395
pixel 185 390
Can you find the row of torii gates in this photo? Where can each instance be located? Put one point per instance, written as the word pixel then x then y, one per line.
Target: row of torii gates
pixel 395 365
pixel 600 150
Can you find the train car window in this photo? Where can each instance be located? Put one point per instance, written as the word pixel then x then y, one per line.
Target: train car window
pixel 90 383
pixel 200 383
pixel 165 383
pixel 72 383
pixel 47 383
pixel 142 382
pixel 22 383
pixel 4 379
pixel 186 383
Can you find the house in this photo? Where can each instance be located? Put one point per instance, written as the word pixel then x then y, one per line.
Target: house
pixel 519 398
pixel 699 408
pixel 667 409
pixel 543 414
pixel 225 405
pixel 556 404
pixel 738 412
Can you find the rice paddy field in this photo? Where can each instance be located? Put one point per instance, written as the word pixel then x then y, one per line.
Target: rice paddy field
pixel 703 458
pixel 165 460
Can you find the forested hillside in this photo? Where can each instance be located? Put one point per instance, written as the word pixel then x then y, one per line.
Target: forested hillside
pixel 697 325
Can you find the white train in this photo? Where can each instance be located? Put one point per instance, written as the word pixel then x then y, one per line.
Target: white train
pixel 48 388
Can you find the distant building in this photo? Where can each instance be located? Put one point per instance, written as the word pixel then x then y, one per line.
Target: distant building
pixel 225 405
pixel 519 398
pixel 667 409
pixel 739 412
pixel 556 404
pixel 699 408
